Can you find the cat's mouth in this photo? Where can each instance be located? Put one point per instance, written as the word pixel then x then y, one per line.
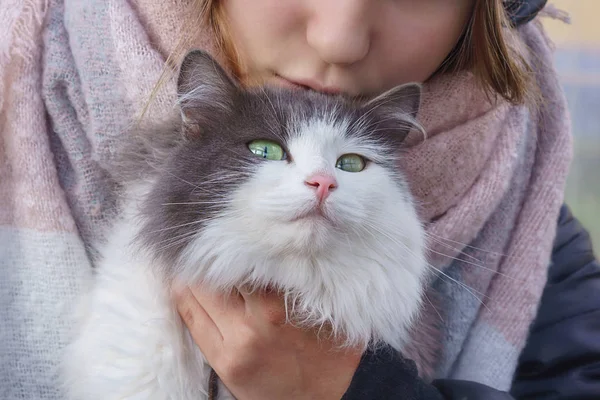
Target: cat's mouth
pixel 315 214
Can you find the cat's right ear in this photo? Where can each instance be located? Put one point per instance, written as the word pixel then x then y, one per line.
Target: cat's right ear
pixel 204 90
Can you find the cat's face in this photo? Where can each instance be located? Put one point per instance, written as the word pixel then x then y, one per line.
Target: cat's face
pixel 297 190
pixel 328 186
pixel 287 171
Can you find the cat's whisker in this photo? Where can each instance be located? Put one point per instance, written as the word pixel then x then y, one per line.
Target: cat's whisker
pixel 227 213
pixel 477 265
pixel 467 245
pixel 181 179
pixel 174 241
pixel 176 237
pixel 466 287
pixel 225 171
pixel 220 178
pixel 177 226
pixel 455 249
pixel 432 306
pixel 470 290
pixel 213 188
pixel 206 190
pixel 214 178
pixel 190 203
pixel 480 264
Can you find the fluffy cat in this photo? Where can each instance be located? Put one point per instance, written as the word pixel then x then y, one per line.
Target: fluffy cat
pixel 287 188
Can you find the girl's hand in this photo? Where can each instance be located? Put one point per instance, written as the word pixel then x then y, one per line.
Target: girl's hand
pixel 257 355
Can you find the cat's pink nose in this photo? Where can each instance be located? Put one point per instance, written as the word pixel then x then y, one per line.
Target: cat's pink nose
pixel 323 184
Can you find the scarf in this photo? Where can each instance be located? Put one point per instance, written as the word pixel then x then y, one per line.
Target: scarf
pixel 74 74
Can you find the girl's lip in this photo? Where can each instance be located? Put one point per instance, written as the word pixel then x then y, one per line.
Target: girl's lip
pixel 281 81
pixel 308 84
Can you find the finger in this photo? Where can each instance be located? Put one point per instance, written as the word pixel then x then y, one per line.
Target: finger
pixel 204 331
pixel 225 309
pixel 266 305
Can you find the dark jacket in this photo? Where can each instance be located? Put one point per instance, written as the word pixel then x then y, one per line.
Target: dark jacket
pixel 561 359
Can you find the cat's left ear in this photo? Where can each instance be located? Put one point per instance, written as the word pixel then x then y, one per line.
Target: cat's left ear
pixel 204 90
pixel 399 106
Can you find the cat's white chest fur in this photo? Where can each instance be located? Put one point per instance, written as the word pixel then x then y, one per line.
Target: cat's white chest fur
pixel 130 342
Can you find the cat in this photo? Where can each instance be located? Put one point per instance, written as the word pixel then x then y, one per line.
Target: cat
pixel 285 188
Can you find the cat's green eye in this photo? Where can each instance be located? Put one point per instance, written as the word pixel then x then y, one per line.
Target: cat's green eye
pixel 351 163
pixel 267 149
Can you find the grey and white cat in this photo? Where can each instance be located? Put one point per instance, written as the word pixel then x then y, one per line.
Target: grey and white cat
pixel 292 189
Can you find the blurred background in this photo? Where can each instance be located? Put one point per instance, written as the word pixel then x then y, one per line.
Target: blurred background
pixel 578 64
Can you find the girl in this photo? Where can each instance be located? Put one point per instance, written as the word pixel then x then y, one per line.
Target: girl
pixel 489 180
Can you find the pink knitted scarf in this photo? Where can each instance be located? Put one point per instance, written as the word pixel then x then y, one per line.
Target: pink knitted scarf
pixel 489 180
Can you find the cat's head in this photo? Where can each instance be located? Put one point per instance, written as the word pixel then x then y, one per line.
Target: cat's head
pixel 274 186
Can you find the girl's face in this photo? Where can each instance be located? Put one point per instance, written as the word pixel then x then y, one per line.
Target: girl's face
pixel 358 47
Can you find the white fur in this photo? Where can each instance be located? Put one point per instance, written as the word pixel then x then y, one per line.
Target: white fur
pixel 362 273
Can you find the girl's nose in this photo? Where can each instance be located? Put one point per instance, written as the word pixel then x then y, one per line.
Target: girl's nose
pixel 339 30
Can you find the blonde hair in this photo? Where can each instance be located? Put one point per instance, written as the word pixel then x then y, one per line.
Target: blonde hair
pixel 484 48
